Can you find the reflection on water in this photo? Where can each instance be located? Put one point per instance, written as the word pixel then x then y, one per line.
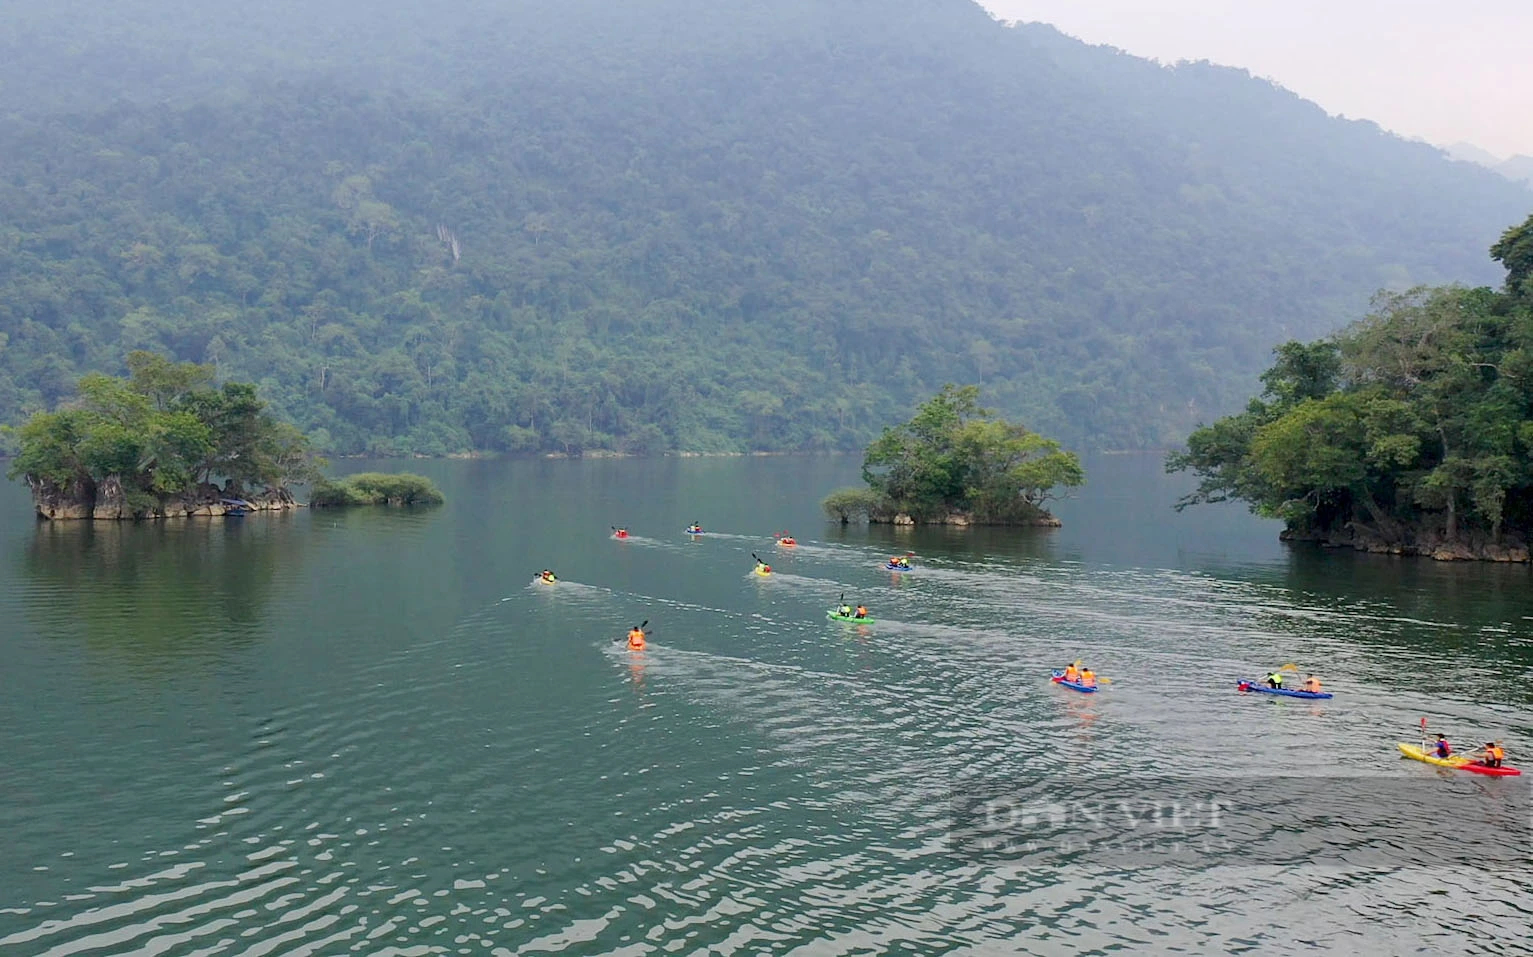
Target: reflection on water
pixel 157 593
pixel 364 732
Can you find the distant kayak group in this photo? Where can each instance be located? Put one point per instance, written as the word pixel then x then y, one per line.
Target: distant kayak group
pixel 1489 760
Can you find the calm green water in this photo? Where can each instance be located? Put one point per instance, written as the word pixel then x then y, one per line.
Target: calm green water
pixel 369 733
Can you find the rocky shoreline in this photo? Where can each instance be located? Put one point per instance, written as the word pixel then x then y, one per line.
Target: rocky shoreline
pixel 107 500
pixel 1433 546
pixel 965 520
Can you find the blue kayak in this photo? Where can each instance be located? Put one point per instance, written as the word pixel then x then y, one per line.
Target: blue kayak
pixel 1248 685
pixel 897 568
pixel 1059 679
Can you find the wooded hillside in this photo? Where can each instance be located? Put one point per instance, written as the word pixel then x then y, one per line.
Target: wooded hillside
pixel 663 224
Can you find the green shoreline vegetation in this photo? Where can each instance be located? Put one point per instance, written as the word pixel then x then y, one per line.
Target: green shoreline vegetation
pixel 375 488
pixel 154 444
pixel 1410 432
pixel 955 463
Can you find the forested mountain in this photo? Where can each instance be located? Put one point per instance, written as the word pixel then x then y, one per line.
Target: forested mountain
pixel 693 224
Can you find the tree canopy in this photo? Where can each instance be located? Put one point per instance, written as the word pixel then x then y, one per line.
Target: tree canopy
pixel 1410 430
pixel 956 458
pixel 161 432
pixel 663 224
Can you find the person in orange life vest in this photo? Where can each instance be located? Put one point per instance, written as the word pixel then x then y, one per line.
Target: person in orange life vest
pixel 1493 755
pixel 1072 674
pixel 635 639
pixel 1088 678
pixel 862 611
pixel 1442 748
pixel 1312 684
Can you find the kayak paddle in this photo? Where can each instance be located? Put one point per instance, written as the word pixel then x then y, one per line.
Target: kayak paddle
pixel 625 637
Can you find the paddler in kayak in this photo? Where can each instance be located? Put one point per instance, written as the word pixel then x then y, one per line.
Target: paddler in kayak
pixel 636 638
pixel 694 529
pixel 1442 748
pixel 1312 684
pixel 862 611
pixel 1088 678
pixel 547 577
pixel 619 532
pixel 1072 674
pixel 845 611
pixel 1493 755
pixel 899 561
pixel 1274 679
pixel 762 568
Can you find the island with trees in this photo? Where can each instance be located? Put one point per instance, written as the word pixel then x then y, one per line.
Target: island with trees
pixel 1410 432
pixel 157 443
pixel 956 463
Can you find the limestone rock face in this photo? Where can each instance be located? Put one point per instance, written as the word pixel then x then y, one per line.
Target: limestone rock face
pixel 73 501
pixel 107 500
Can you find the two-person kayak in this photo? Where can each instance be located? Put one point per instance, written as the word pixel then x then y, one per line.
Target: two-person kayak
pixel 1246 684
pixel 1058 678
pixel 1457 762
pixel 834 615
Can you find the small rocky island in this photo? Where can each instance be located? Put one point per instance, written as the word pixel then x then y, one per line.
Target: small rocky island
pixel 166 442
pixel 956 463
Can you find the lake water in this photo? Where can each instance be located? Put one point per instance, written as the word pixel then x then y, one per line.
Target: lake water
pixel 368 732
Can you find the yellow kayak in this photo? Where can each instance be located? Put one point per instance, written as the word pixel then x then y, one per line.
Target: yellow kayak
pixel 1457 762
pixel 763 571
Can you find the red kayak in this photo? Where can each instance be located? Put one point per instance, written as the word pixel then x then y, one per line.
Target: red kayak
pixel 1456 762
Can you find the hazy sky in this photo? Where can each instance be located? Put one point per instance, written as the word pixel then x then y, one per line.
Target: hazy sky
pixel 1438 69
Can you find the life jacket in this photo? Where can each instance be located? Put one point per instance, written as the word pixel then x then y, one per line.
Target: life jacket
pixel 845 611
pixel 1443 748
pixel 636 640
pixel 862 611
pixel 1088 677
pixel 1275 679
pixel 1312 685
pixel 1071 674
pixel 1495 753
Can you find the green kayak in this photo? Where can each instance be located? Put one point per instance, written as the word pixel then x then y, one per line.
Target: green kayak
pixel 853 619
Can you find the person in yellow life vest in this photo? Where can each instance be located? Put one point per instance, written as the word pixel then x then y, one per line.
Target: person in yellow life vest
pixel 548 576
pixel 635 639
pixel 845 611
pixel 1072 674
pixel 862 611
pixel 1493 755
pixel 1088 678
pixel 1312 684
pixel 1274 679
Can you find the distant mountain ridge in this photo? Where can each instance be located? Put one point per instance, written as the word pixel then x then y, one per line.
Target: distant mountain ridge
pixel 669 225
pixel 1517 168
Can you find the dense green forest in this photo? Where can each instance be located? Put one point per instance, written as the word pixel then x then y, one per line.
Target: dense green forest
pixel 671 225
pixel 1410 431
